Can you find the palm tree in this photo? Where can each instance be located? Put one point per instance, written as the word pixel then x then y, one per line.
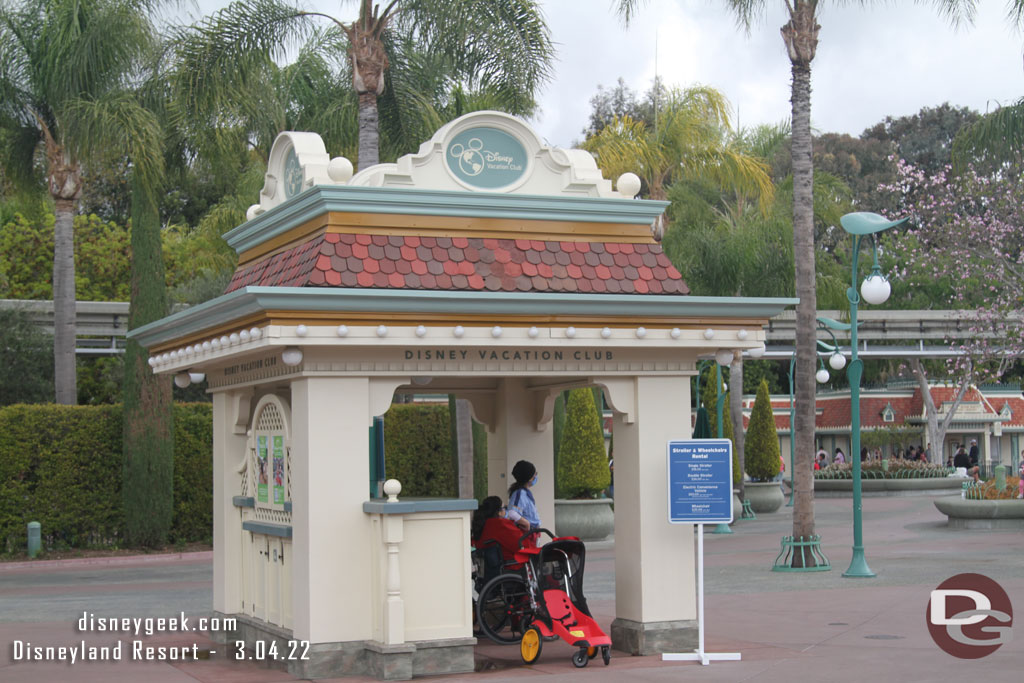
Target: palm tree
pixel 688 139
pixel 501 46
pixel 800 35
pixel 999 135
pixel 65 70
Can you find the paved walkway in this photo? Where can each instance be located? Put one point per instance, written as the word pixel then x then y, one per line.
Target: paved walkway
pixel 810 627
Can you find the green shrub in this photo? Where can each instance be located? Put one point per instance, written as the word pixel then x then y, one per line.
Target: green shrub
pixel 61 466
pixel 418 450
pixel 193 473
pixel 582 462
pixel 761 448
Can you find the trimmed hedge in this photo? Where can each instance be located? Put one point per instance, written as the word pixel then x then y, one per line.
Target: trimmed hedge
pixel 761 447
pixel 418 450
pixel 61 466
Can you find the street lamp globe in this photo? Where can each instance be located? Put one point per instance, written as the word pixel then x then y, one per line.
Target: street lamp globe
pixel 757 351
pixel 837 361
pixel 875 289
pixel 723 356
pixel 821 376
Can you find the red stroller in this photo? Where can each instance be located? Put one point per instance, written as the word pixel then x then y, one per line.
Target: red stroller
pixel 554 580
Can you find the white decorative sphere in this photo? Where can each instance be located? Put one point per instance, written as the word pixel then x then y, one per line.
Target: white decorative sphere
pixel 496 331
pixel 723 356
pixel 570 332
pixel 215 343
pixel 182 380
pixel 628 185
pixel 421 331
pixel 758 351
pixel 255 333
pixel 606 332
pixel 875 289
pixel 741 335
pixel 301 330
pixel 837 361
pixel 244 335
pixel 224 341
pixel 342 330
pixel 709 333
pixel 206 346
pixel 234 338
pixel 641 332
pixel 382 330
pixel 339 169
pixel 676 333
pixel 533 332
pixel 821 376
pixel 392 487
pixel 459 331
pixel 152 362
pixel 253 211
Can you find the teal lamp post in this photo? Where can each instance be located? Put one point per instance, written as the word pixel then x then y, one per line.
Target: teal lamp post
pixel 875 289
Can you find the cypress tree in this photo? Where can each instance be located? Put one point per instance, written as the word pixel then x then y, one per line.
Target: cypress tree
pixel 582 461
pixel 761 450
pixel 148 449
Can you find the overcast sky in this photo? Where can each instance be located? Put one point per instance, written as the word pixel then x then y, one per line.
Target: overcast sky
pixel 890 59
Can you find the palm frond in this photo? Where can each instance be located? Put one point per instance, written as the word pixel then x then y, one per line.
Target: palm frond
pixel 998 136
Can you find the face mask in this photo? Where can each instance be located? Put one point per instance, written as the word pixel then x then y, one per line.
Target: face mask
pixel 533 482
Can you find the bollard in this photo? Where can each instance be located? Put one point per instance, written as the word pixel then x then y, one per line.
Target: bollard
pixel 33 539
pixel 1000 472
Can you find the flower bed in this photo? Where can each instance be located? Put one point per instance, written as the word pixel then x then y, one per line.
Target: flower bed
pixel 886 469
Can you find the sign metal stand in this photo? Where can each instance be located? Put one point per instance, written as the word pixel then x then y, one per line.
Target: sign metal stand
pixel 700 492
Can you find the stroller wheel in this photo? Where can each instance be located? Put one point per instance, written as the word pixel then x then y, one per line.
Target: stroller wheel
pixel 606 654
pixel 530 646
pixel 580 659
pixel 591 651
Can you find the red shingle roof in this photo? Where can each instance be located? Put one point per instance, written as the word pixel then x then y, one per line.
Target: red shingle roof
pixel 484 264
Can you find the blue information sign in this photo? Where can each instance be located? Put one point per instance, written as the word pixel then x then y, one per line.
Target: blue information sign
pixel 700 481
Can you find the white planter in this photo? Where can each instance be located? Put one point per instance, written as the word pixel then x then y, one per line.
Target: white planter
pixel 588 519
pixel 764 496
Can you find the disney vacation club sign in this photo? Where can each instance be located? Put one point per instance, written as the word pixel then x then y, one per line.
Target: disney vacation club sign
pixel 486 158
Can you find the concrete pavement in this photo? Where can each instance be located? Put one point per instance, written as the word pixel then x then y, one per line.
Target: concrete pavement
pixel 813 626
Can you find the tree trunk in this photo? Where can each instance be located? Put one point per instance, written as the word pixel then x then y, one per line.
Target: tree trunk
pixel 64 378
pixel 800 36
pixel 936 429
pixel 369 63
pixel 369 137
pixel 462 437
pixel 148 432
pixel 736 410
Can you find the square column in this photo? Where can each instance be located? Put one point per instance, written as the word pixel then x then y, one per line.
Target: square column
pixel 331 578
pixel 655 580
pixel 230 420
pixel 515 438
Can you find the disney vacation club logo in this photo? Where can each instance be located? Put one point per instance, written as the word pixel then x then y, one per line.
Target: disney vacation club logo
pixel 473 158
pixel 969 616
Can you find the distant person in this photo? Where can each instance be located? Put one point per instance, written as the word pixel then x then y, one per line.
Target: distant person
pixel 973 455
pixel 961 459
pixel 927 453
pixel 863 453
pixel 839 456
pixel 822 455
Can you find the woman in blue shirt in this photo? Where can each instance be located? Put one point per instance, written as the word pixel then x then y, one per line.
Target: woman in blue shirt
pixel 522 508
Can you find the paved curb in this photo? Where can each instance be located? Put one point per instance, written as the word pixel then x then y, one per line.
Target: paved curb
pixel 155 558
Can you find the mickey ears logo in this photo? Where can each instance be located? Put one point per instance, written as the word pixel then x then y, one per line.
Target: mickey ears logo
pixel 969 616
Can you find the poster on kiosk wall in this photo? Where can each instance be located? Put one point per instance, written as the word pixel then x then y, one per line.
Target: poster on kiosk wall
pixel 700 481
pixel 278 469
pixel 261 462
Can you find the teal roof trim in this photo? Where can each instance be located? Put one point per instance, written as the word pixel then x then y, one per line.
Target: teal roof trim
pixel 321 199
pixel 251 300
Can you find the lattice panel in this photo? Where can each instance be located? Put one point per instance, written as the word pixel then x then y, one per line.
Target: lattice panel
pixel 272 515
pixel 270 419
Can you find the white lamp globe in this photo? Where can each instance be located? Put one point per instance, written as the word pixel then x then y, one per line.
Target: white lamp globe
pixel 292 355
pixel 837 361
pixel 723 356
pixel 757 351
pixel 821 376
pixel 875 289
pixel 182 379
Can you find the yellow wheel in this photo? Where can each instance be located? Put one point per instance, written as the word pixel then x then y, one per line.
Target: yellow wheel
pixel 530 645
pixel 591 651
